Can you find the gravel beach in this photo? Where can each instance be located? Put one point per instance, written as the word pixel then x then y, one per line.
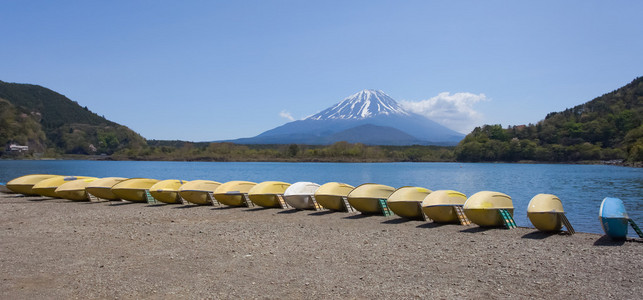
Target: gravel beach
pixel 54 248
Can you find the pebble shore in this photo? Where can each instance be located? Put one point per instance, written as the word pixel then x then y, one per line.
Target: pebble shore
pixel 59 249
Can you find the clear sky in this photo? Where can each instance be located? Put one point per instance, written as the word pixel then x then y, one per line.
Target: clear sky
pixel 212 70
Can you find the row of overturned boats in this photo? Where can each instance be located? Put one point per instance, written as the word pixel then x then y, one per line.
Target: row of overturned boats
pixel 485 208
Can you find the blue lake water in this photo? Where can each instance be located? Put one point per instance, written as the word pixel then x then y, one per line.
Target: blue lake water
pixel 580 187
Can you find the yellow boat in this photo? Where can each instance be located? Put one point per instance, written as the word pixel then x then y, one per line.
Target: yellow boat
pixel 330 195
pixel 544 211
pixel 23 184
pixel 197 191
pixel 75 190
pixel 482 208
pixel 439 206
pixel 406 202
pixel 133 189
pixel 232 192
pixel 167 191
pixel 366 197
pixel 102 188
pixel 266 193
pixel 48 187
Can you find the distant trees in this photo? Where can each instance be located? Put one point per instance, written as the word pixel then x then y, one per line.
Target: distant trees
pixel 337 152
pixel 607 128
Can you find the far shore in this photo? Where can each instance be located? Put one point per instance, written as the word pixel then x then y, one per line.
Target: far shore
pixel 620 163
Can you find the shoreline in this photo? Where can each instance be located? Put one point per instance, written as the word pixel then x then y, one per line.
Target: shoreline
pixel 109 158
pixel 55 248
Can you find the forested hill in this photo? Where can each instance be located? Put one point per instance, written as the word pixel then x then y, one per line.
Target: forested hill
pixel 48 121
pixel 609 127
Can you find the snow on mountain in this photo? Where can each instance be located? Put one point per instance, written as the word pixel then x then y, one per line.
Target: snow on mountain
pixel 362 105
pixel 370 117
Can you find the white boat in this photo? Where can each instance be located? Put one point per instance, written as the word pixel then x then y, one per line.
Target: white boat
pixel 299 195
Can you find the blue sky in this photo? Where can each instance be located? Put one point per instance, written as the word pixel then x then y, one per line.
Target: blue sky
pixel 212 70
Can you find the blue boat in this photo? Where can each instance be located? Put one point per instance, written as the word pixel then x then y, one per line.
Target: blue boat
pixel 613 217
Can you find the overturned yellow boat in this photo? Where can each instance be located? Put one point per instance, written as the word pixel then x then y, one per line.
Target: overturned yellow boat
pixel 75 190
pixel 545 211
pixel 198 191
pixel 167 191
pixel 406 202
pixel 133 189
pixel 232 192
pixel 366 197
pixel 267 193
pixel 483 208
pixel 48 186
pixel 331 195
pixel 439 206
pixel 102 188
pixel 24 184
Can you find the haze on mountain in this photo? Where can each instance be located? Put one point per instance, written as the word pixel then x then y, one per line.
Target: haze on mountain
pixel 369 117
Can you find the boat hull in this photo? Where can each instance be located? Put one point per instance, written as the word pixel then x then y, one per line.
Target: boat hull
pixel 441 213
pixel 102 188
pixel 47 191
pixel 197 191
pixel 486 217
pixel 366 205
pixel 299 201
pixel 230 199
pixel 75 190
pixel 546 221
pixel 102 193
pixel 407 209
pixel 265 200
pixel 614 218
pixel 615 228
pixel 24 184
pixel 133 189
pixel 48 186
pixel 196 197
pixel 133 195
pixel 331 202
pixel 74 195
pixel 169 197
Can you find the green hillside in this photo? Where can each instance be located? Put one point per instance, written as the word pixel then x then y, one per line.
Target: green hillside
pixel 50 122
pixel 609 127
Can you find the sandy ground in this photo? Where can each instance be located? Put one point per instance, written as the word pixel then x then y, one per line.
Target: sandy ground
pixel 54 248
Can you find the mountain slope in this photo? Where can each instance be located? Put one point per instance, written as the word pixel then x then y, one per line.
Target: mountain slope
pixel 43 119
pixel 606 128
pixel 367 107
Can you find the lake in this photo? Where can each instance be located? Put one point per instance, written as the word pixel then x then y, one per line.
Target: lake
pixel 580 187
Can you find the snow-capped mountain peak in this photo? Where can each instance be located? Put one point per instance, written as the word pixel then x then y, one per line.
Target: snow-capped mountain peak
pixel 361 105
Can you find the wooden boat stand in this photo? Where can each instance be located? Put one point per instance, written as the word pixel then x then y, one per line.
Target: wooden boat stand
pixel 347 206
pixel 315 204
pixel 282 202
pixel 565 222
pixel 507 219
pixel 635 227
pixel 150 199
pixel 459 211
pixel 246 200
pixel 213 201
pixel 384 208
pixel 93 198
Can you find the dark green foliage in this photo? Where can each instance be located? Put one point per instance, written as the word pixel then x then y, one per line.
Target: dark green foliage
pixel 337 152
pixel 609 127
pixel 49 122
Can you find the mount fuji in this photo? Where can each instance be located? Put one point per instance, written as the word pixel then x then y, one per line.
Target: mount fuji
pixel 369 117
